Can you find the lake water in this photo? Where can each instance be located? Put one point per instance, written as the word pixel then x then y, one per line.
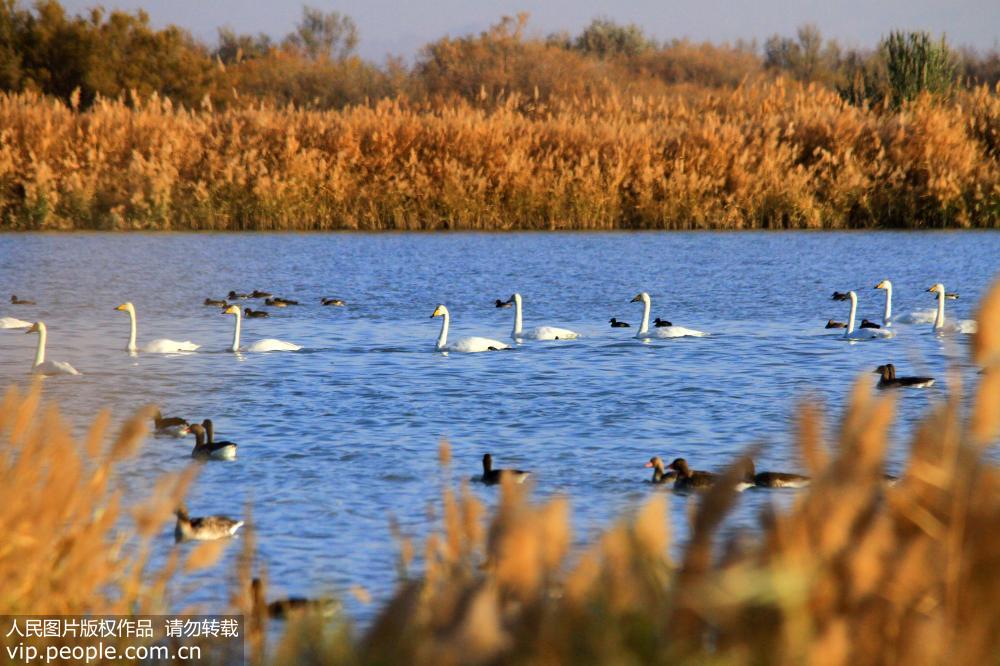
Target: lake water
pixel 337 439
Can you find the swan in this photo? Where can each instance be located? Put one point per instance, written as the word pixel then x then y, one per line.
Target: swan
pixel 13 322
pixel 940 325
pixel 159 346
pixel 861 333
pixel 922 317
pixel 663 331
pixel 540 332
pixel 41 366
pixel 265 345
pixel 469 345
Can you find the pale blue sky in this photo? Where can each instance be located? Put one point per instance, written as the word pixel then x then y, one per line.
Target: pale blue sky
pixel 402 26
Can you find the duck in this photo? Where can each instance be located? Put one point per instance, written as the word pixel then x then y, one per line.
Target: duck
pixel 951 295
pixel 464 345
pixel 286 301
pixel 619 324
pixel 209 450
pixel 965 326
pixel 158 346
pixel 888 379
pixel 13 322
pixel 660 473
pixel 275 303
pixel 237 296
pixel 773 479
pixel 921 317
pixel 284 608
pixel 661 323
pixel 255 314
pixel 41 366
pixel 835 324
pixel 861 333
pixel 20 301
pixel 840 296
pixel 865 323
pixel 169 426
pixel 688 478
pixel 335 302
pixel 492 476
pixel 207 528
pixel 503 304
pixel 217 302
pixel 664 331
pixel 264 345
pixel 260 294
pixel 539 332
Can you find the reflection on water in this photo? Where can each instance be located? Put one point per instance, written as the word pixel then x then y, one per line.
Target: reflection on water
pixel 339 437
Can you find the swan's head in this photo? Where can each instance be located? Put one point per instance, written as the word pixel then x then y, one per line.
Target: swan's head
pixel 439 311
pixel 233 310
pixel 126 307
pixel 515 298
pixel 936 288
pixel 884 284
pixel 643 296
pixel 37 327
pixel 854 297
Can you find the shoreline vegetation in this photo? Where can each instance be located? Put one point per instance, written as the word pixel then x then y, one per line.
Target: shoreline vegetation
pixel 852 572
pixel 109 124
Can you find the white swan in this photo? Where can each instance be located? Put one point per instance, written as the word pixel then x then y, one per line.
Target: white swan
pixel 862 333
pixel 921 317
pixel 468 345
pixel 265 345
pixel 13 322
pixel 539 333
pixel 663 331
pixel 41 366
pixel 940 325
pixel 158 346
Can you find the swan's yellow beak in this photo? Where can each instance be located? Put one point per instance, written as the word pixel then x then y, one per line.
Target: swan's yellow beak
pixel 438 311
pixel 232 309
pixel 638 297
pixel 33 329
pixel 122 307
pixel 880 285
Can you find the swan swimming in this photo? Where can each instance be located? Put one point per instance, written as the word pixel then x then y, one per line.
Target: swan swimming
pixel 540 332
pixel 940 325
pixel 13 322
pixel 922 317
pixel 663 331
pixel 159 346
pixel 41 366
pixel 265 345
pixel 468 345
pixel 862 333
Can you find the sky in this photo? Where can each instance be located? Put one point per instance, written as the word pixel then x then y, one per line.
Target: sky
pixel 401 27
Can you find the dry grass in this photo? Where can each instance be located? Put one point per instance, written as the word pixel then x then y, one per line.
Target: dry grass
pixel 762 155
pixel 854 572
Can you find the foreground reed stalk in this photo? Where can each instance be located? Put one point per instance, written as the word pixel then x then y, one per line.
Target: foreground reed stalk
pixel 773 155
pixel 855 572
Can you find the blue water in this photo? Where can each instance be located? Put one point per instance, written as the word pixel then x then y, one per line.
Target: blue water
pixel 339 438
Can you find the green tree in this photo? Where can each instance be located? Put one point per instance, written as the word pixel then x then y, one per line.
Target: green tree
pixel 915 63
pixel 324 35
pixel 604 38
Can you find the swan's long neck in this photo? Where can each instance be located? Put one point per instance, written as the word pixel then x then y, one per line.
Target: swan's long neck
pixel 854 312
pixel 40 351
pixel 887 315
pixel 646 304
pixel 939 319
pixel 443 337
pixel 517 317
pixel 236 332
pixel 132 332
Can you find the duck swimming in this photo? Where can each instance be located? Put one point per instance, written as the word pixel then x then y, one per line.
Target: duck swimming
pixel 889 379
pixel 234 296
pixel 660 473
pixel 773 479
pixel 688 478
pixel 283 608
pixel 835 324
pixel 492 476
pixel 260 294
pixel 336 302
pixel 286 301
pixel 18 301
pixel 869 324
pixel 255 314
pixel 170 426
pixel 210 450
pixel 503 304
pixel 840 296
pixel 661 323
pixel 619 324
pixel 208 528
pixel 217 302
pixel 275 303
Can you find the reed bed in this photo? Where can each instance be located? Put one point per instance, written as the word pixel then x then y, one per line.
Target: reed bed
pixel 854 572
pixel 763 155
